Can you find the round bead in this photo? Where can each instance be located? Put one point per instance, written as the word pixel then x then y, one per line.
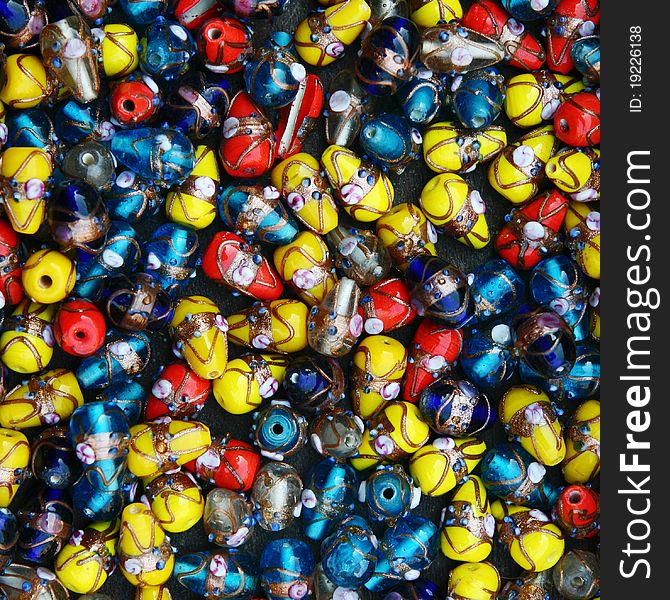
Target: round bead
pixel 470 581
pixel 79 328
pixel 175 500
pixel 48 276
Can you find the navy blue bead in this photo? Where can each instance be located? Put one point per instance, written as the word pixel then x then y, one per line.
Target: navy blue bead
pixel 53 460
pixel 314 383
pixel 478 97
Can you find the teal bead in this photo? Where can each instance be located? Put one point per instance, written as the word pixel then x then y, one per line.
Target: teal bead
pixel 166 50
pixel 286 567
pixel 349 554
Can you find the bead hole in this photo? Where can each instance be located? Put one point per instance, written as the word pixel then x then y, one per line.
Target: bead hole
pixel 388 493
pixel 550 168
pixel 87 159
pixel 214 34
pixel 79 334
pixel 45 281
pixel 277 429
pixel 574 497
pixel 128 105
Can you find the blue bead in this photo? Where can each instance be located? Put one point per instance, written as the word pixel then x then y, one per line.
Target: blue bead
pixel 390 141
pixel 29 128
pixel 419 589
pixel 410 545
pixel 119 254
pixel 143 12
pixel 439 291
pixel 421 99
pixel 131 198
pixel 167 49
pixel 9 535
pixel 53 460
pixel 524 11
pixel 280 430
pixel 334 486
pixel 389 494
pixel 273 75
pixel 129 396
pixel 497 289
pixel 171 256
pixel 98 495
pixel 164 155
pixel 349 555
pixel 513 475
pixel 124 353
pixel 314 383
pixel 478 98
pixel 585 53
pixel 235 573
pixel 488 358
pixel 75 122
pixel 286 567
pixel 387 55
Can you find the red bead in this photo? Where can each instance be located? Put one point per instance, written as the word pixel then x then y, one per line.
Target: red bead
pixel 531 234
pixel 434 350
pixel 193 13
pixel 135 101
pixel 571 20
pixel 488 18
pixel 387 306
pixel 229 260
pixel 178 392
pixel 577 120
pixel 248 143
pixel 80 328
pixel 577 511
pixel 230 464
pixel 299 118
pixel 11 290
pixel 225 44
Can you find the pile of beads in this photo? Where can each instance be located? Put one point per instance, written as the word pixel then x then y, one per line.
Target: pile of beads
pixel 410 377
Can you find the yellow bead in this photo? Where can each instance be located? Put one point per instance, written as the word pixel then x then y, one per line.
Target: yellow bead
pixel 199 331
pixel 26 346
pixel 406 233
pixel 575 171
pixel 398 430
pixel 305 264
pixel 528 412
pixel 472 540
pixel 119 50
pixel 176 500
pixel 45 399
pixel 432 467
pixel 533 541
pixel 248 380
pixel 346 21
pixel 193 203
pixel 443 153
pixel 278 326
pixel 528 102
pixel 428 13
pixel 26 84
pixel 48 276
pixel 145 555
pixel 364 190
pixel 158 447
pixel 18 167
pixel 152 592
pixel 582 459
pixel 580 218
pixel 474 581
pixel 84 564
pixel 290 177
pixel 14 457
pixel 384 359
pixel 518 171
pixel 448 201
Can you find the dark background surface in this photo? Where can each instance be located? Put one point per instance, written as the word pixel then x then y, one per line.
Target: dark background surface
pixel 408 187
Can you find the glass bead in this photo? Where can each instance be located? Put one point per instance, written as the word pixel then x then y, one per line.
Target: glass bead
pixel 225 44
pixel 474 580
pixel 166 50
pixel 175 499
pixel 389 493
pixel 31 128
pixel 286 567
pixel 38 582
pixel 228 463
pixel 512 474
pixel 314 384
pixel 349 554
pixel 390 141
pixel 336 433
pixel 329 496
pixel 359 254
pixel 525 10
pixel 218 574
pixel 276 496
pixel 279 431
pixel 228 518
pixel 132 198
pixel 577 511
pixel 9 535
pixel 582 458
pixel 129 396
pixel 75 122
pixel 585 54
pixel 577 575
